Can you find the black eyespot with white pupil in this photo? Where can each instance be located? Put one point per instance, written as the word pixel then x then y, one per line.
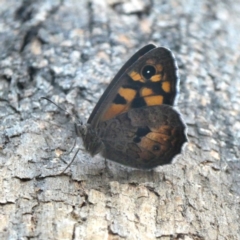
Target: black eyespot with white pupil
pixel 148 71
pixel 156 148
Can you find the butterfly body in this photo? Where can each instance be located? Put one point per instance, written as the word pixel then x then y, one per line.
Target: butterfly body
pixel 134 122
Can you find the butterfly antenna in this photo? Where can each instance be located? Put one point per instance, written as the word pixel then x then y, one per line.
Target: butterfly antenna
pixel 62 109
pixel 9 104
pixel 54 104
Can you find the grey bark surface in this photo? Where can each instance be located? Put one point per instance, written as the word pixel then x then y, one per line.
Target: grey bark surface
pixel 68 51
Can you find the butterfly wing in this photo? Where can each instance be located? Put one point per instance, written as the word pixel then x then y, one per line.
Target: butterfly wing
pixel 109 91
pixel 143 142
pixel 148 78
pixel 133 123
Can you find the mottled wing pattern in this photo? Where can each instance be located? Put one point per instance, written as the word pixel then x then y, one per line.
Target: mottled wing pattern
pixel 143 142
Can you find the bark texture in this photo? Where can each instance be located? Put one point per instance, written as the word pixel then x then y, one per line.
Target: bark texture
pixel 68 51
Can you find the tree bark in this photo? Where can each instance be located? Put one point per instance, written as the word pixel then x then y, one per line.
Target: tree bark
pixel 68 51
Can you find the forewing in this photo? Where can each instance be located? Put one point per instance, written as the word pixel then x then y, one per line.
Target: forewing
pixel 110 93
pixel 151 80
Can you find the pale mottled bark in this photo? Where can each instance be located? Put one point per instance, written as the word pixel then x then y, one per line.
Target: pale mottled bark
pixel 68 51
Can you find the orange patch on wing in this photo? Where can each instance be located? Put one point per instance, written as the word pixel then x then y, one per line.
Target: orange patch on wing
pixel 154 100
pixel 166 87
pixel 136 76
pixel 146 143
pixel 149 144
pixel 146 92
pixel 163 129
pixel 127 93
pixel 114 110
pixel 156 78
pixel 158 137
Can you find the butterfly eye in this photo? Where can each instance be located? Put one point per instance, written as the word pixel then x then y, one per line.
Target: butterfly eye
pixel 148 71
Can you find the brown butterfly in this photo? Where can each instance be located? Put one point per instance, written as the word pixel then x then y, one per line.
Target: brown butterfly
pixel 134 123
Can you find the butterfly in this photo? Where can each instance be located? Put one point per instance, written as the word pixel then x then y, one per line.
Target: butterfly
pixel 134 123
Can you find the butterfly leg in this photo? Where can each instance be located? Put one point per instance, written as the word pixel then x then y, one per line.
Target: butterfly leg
pixel 69 164
pixel 48 149
pixel 67 153
pixel 107 168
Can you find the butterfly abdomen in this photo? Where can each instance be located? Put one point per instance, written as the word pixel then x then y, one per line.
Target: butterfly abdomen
pixel 92 141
